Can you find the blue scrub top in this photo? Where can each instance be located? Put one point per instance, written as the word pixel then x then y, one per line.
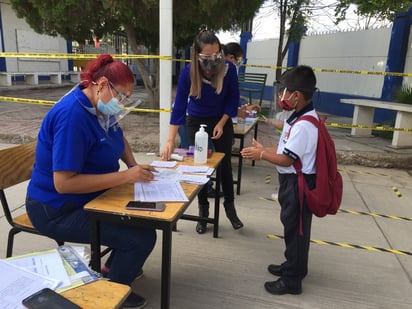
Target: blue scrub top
pixel 71 138
pixel 210 104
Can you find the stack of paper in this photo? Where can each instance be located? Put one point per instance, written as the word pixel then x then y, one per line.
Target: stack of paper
pixel 18 283
pixel 58 269
pixel 62 264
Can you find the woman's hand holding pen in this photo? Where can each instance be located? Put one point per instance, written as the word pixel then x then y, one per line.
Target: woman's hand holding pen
pixel 141 173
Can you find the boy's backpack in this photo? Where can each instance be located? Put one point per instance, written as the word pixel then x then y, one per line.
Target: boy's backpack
pixel 326 196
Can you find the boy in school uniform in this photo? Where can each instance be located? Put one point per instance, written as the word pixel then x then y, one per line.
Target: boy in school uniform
pixel 296 88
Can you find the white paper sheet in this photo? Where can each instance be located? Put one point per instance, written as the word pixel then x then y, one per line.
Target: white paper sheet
pixel 48 264
pixel 159 191
pixel 163 163
pixel 193 169
pixel 17 283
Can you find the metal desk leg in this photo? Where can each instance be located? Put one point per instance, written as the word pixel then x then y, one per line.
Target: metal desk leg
pixel 255 136
pixel 166 267
pixel 95 244
pixel 239 167
pixel 217 203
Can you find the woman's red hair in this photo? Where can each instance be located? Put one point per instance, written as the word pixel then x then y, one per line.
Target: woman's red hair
pixel 104 65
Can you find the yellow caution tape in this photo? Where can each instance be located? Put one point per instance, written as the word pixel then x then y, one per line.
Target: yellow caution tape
pixel 351 246
pixel 360 126
pixel 334 124
pixel 127 56
pixel 375 215
pixel 78 56
pixel 396 190
pixel 49 103
pixel 27 101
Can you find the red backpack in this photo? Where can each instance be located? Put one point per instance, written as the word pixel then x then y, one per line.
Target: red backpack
pixel 326 197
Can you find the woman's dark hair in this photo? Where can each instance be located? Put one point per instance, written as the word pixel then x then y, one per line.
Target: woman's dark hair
pixel 205 37
pixel 301 78
pixel 234 49
pixel 115 71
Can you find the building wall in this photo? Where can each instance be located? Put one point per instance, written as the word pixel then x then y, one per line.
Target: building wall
pixel 19 37
pixel 357 50
pixel 364 50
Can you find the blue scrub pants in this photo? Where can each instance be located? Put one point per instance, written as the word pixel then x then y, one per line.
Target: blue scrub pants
pixel 131 244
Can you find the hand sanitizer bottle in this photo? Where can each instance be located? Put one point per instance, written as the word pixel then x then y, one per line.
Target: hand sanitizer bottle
pixel 201 140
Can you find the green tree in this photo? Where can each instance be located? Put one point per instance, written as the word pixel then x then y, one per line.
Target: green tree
pixel 295 14
pixel 139 19
pixel 380 9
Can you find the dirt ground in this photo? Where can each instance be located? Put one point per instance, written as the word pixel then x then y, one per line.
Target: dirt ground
pixel 20 122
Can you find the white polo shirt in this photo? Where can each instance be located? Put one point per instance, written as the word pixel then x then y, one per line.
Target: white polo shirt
pixel 301 142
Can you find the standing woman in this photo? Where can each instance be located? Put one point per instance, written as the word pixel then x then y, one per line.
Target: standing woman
pixel 77 158
pixel 208 91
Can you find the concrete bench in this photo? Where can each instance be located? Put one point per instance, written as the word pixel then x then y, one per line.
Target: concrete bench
pixel 363 114
pixel 32 78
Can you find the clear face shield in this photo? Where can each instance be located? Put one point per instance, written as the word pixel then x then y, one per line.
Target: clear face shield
pixel 128 106
pixel 210 62
pixel 125 103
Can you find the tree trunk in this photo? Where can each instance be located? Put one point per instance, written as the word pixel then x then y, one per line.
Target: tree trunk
pixel 151 83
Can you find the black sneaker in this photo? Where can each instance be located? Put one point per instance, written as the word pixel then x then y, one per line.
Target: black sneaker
pixel 275 270
pixel 134 301
pixel 278 287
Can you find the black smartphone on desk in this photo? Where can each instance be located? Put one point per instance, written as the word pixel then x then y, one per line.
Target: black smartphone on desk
pixel 48 299
pixel 139 205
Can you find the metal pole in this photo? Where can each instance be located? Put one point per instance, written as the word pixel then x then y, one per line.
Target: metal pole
pixel 165 66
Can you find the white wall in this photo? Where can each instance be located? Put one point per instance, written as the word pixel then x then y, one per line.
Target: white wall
pixel 263 53
pixel 19 37
pixel 356 50
pixel 408 64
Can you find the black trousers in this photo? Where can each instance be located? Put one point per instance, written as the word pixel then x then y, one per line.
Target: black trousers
pixel 295 268
pixel 223 144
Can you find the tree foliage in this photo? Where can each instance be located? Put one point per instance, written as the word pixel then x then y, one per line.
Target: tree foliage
pixel 139 19
pixel 71 19
pixel 294 14
pixel 380 9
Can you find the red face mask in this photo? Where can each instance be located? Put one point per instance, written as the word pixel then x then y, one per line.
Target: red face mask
pixel 285 104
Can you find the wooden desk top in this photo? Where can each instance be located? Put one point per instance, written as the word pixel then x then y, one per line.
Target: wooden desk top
pixel 113 201
pixel 100 294
pixel 248 128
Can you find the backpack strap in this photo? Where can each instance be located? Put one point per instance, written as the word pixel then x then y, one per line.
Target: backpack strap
pixel 297 164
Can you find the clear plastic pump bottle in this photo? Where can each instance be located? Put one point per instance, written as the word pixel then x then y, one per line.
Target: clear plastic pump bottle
pixel 201 140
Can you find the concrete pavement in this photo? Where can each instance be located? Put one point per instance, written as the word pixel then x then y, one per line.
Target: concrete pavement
pixel 229 272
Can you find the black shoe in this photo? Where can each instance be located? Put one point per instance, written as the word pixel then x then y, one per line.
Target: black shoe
pixel 134 301
pixel 236 223
pixel 233 218
pixel 201 227
pixel 278 287
pixel 275 270
pixel 212 192
pixel 203 213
